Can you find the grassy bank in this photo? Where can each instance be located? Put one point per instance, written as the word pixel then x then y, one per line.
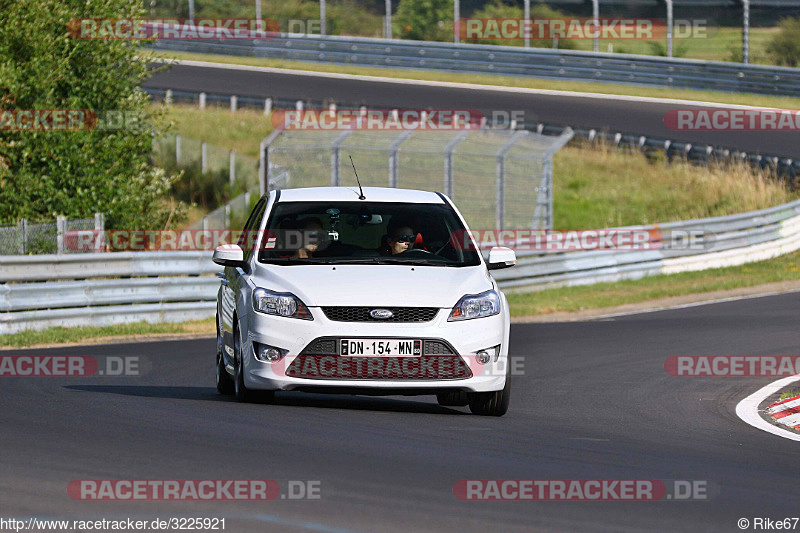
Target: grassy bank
pixel 94 335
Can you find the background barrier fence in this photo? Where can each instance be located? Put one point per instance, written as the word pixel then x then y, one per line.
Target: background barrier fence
pixel 509 60
pixel 26 237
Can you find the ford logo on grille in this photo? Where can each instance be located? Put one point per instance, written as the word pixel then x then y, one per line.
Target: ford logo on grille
pixel 381 314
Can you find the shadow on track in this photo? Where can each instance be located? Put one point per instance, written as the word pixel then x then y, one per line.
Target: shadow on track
pixel 282 399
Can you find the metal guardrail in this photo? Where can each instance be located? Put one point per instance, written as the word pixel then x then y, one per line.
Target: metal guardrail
pixel 509 60
pixel 169 286
pixel 724 241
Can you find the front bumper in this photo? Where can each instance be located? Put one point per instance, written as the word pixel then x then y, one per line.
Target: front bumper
pixel 303 338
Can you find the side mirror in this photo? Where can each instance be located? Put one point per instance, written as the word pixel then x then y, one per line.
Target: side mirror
pixel 229 255
pixel 500 257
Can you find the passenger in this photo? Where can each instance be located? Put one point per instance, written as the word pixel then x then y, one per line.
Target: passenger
pixel 313 235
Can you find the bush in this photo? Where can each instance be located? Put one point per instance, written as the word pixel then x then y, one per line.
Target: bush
pixel 424 20
pixel 784 48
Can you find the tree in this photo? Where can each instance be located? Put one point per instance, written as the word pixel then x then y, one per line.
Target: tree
pixel 76 173
pixel 424 20
pixel 784 48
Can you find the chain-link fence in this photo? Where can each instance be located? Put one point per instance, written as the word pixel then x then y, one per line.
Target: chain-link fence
pixel 497 178
pixel 48 237
pixel 219 164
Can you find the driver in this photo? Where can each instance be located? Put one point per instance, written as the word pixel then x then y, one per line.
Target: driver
pixel 398 240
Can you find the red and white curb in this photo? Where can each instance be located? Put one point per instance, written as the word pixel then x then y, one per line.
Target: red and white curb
pixel 786 412
pixel 747 409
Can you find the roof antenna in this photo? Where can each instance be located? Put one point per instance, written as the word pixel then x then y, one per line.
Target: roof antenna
pixel 360 190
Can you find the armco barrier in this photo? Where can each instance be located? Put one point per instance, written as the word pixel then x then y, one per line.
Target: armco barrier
pixel 510 60
pixel 113 288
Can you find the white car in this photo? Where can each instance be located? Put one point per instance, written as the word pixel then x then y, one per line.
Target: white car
pixel 373 291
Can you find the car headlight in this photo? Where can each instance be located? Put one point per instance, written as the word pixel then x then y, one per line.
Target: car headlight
pixel 280 304
pixel 476 306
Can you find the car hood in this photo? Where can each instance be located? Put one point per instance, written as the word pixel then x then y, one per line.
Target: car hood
pixel 374 285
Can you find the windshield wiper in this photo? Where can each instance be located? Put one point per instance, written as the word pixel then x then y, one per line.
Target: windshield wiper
pixel 398 261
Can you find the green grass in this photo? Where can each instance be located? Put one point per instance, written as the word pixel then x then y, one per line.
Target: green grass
pixel 789 394
pixel 784 268
pixel 783 102
pixel 82 334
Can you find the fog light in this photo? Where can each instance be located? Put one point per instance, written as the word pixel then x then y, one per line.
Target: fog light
pixel 485 355
pixel 266 353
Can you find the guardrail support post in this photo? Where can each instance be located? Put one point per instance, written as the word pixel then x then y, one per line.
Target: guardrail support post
pixel 232 167
pixel 669 28
pixel 746 31
pixel 234 103
pixel 203 157
pixel 202 100
pixel 99 244
pixel 526 16
pixel 448 162
pixel 322 29
pixel 168 97
pixel 456 18
pixel 394 165
pixel 263 161
pixel 500 193
pixel 596 17
pixel 387 20
pixel 177 150
pixel 268 106
pixel 23 234
pixel 335 150
pixel 61 229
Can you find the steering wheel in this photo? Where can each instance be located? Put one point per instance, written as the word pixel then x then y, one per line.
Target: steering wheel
pixel 420 251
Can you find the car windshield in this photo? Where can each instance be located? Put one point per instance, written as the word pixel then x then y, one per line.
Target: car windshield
pixel 365 233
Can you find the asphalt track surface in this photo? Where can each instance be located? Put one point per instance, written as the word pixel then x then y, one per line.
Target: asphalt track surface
pixel 594 403
pixel 643 118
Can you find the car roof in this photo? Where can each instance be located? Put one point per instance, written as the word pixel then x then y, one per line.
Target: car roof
pixel 350 194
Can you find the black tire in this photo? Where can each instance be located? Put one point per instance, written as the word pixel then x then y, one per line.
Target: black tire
pixel 224 380
pixel 452 399
pixel 242 393
pixel 491 403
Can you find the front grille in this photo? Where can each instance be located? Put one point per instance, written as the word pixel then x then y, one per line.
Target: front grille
pixel 377 368
pixel 399 314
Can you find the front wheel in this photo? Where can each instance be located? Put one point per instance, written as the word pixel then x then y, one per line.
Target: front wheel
pixel 224 381
pixel 491 403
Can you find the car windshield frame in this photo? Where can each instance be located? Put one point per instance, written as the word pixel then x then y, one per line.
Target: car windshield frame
pixel 444 224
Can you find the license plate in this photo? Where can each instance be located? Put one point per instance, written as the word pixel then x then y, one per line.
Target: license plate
pixel 380 347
